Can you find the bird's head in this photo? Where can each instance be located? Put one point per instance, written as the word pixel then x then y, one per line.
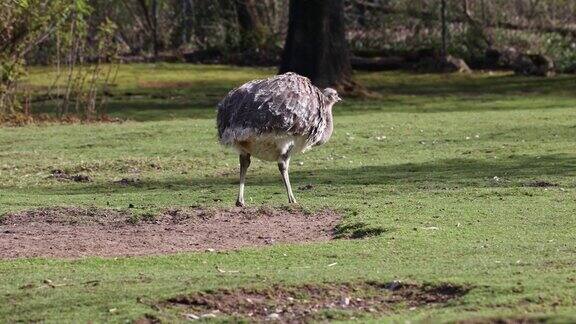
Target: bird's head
pixel 332 95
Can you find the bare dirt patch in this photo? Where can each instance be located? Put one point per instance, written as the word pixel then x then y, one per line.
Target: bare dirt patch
pixel 540 184
pixel 296 304
pixel 62 175
pixel 129 182
pixel 71 232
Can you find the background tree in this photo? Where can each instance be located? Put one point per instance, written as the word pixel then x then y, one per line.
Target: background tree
pixel 444 47
pixel 185 21
pixel 316 43
pixel 149 9
pixel 252 31
pixel 24 25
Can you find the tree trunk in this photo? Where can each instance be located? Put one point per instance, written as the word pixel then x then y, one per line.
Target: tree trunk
pixel 182 31
pixel 251 28
pixel 154 15
pixel 316 44
pixel 475 25
pixel 444 28
pixel 188 21
pixel 151 17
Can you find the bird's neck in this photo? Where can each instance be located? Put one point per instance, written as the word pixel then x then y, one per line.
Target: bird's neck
pixel 329 125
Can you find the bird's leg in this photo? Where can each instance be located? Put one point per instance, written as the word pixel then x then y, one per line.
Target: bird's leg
pixel 283 165
pixel 244 164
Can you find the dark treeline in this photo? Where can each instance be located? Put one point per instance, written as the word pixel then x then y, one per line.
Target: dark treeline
pixel 251 32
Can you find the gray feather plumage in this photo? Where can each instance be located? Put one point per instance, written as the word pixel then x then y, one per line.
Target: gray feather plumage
pixel 283 104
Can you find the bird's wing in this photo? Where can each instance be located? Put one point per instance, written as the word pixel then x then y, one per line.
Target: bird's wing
pixel 286 103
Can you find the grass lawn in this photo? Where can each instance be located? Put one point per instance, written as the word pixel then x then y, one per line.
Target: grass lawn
pixel 440 165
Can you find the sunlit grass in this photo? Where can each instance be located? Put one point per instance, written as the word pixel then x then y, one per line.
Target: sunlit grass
pixel 456 153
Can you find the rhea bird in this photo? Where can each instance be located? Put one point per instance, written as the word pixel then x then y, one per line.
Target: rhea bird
pixel 273 119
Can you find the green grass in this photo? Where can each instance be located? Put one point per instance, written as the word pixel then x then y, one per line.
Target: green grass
pixel 457 153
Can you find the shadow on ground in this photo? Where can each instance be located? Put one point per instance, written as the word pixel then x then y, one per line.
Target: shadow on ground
pixel 514 171
pixel 416 93
pixel 443 85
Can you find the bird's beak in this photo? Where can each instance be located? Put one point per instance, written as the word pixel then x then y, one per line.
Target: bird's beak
pixel 338 99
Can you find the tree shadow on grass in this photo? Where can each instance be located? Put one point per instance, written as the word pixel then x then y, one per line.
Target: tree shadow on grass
pixel 434 85
pixel 509 172
pixel 417 95
pixel 357 231
pixel 423 95
pixel 514 171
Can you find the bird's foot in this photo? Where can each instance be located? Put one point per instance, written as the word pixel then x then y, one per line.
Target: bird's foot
pixel 239 203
